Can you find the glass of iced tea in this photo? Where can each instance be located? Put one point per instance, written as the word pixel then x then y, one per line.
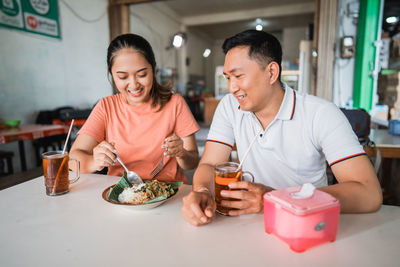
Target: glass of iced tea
pixel 56 172
pixel 226 173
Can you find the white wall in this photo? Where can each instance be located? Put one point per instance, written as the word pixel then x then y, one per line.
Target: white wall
pixel 38 72
pixel 199 65
pixel 218 54
pixel 158 23
pixel 290 42
pixel 344 68
pixel 196 46
pixel 218 58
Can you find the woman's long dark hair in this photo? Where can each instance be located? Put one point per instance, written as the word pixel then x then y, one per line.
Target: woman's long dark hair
pixel 160 95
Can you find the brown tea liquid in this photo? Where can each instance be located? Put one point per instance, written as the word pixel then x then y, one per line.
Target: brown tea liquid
pixel 56 172
pixel 222 180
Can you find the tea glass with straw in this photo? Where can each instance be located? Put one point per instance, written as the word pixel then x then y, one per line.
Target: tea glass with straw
pixel 56 170
pixel 229 172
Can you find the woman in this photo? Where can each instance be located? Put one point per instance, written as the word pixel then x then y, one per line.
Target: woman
pixel 141 123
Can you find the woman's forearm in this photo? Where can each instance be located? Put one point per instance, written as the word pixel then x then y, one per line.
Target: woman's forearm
pixel 85 159
pixel 189 160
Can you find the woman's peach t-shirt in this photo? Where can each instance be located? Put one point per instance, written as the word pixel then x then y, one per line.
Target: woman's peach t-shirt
pixel 139 133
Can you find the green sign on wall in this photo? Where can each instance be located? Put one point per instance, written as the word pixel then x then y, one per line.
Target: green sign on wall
pixel 368 21
pixel 35 16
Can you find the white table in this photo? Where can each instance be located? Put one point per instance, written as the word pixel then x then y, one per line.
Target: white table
pixel 382 137
pixel 81 229
pixel 389 148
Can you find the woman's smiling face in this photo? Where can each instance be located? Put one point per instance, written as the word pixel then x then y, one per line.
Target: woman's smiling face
pixel 133 76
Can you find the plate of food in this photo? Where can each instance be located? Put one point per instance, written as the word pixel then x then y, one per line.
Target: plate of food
pixel 148 195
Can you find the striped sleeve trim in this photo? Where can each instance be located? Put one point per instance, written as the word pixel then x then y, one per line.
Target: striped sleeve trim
pixel 216 141
pixel 349 157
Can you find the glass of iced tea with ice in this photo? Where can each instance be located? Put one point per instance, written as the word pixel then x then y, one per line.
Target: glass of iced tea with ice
pixel 56 172
pixel 226 173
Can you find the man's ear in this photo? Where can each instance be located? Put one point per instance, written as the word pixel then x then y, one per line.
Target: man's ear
pixel 273 72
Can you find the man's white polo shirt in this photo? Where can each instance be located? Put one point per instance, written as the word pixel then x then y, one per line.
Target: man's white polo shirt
pixel 293 150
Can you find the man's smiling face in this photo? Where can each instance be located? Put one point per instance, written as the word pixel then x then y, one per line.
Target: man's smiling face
pixel 247 81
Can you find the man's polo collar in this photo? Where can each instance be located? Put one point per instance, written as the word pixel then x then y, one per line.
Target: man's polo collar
pixel 286 111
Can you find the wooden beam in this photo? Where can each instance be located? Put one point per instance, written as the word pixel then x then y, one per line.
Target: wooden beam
pixel 118 16
pixel 326 51
pixel 276 11
pixel 315 46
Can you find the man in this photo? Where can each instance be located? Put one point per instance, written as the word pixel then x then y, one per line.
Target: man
pixel 297 134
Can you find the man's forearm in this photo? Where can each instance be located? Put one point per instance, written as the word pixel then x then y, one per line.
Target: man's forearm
pixel 204 177
pixel 355 197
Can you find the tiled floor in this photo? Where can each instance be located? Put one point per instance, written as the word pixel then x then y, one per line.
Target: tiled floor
pixel 17 178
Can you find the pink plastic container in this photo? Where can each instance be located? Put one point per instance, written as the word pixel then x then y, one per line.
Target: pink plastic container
pixel 301 222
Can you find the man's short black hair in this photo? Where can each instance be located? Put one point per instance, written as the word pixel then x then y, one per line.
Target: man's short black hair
pixel 263 47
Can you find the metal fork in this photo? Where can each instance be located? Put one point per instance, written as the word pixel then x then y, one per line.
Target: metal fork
pixel 158 168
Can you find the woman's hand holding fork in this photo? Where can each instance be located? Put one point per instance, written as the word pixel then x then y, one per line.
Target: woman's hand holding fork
pixel 174 146
pixel 184 149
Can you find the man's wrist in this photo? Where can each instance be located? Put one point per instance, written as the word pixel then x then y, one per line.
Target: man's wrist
pixel 202 189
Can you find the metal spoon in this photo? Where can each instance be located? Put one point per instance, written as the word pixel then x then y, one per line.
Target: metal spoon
pixel 133 177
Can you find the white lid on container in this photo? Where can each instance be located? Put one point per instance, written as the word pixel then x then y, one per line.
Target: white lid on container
pixel 302 200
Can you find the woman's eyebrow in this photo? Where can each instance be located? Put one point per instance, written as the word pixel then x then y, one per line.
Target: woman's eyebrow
pixel 142 69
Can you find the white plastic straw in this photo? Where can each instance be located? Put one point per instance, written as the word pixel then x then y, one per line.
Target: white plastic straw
pixel 69 132
pixel 248 149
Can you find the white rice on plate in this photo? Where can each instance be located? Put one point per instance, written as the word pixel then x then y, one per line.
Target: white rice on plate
pixel 138 194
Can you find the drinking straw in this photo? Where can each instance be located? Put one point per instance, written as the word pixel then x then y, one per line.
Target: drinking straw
pixel 56 180
pixel 248 149
pixel 64 159
pixel 69 132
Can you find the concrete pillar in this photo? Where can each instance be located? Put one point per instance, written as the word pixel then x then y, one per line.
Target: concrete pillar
pixel 183 75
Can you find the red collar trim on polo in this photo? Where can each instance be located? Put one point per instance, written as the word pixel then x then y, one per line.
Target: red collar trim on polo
pixel 294 104
pixel 288 105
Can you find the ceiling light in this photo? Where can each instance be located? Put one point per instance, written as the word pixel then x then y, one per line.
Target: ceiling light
pixel 259 24
pixel 206 52
pixel 178 40
pixel 314 53
pixel 392 20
